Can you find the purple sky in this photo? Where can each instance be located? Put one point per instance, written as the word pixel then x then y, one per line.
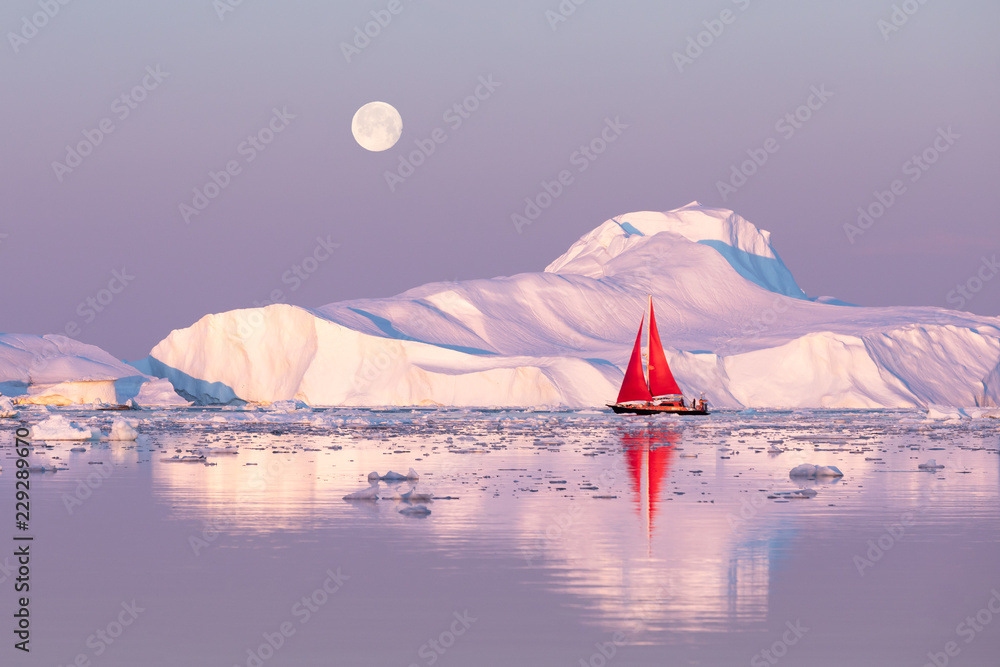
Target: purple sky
pixel 63 236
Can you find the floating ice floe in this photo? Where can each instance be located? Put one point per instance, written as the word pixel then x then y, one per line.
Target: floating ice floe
pixel 930 465
pixel 57 427
pixel 810 471
pixel 7 410
pixel 218 451
pixel 391 492
pixel 951 414
pixel 287 406
pixel 123 429
pixel 184 459
pixel 370 493
pixel 393 476
pixel 45 469
pixel 416 510
pixel 416 496
pixel 78 449
pixel 800 493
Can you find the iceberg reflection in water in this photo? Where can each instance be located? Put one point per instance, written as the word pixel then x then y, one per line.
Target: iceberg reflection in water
pixel 552 534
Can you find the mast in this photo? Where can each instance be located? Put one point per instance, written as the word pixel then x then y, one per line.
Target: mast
pixel 661 380
pixel 649 344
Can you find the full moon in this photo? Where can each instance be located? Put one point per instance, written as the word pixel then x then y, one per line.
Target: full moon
pixel 377 126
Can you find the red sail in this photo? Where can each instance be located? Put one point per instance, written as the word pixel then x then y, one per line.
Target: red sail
pixel 661 380
pixel 634 387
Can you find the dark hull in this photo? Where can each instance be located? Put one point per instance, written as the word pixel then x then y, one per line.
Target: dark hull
pixel 654 410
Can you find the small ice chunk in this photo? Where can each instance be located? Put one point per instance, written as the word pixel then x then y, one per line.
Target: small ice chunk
pixel 416 510
pixel 417 496
pixel 939 412
pixel 7 410
pixel 290 405
pixel 77 449
pixel 810 471
pixel 57 427
pixel 391 492
pixel 123 429
pixel 799 493
pixel 394 476
pixel 370 493
pixel 930 465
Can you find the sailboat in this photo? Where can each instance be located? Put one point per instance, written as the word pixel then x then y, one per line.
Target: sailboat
pixel 660 394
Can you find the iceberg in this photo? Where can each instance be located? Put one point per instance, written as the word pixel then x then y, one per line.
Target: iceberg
pixel 60 371
pixel 735 323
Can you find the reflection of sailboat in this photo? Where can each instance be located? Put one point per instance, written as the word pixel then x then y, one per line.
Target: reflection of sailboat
pixel 647 456
pixel 661 393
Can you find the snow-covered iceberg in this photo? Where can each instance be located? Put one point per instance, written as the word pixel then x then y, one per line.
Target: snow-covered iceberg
pixel 736 325
pixel 56 370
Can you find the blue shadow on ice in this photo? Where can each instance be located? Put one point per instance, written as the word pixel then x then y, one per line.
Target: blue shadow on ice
pixel 767 272
pixel 190 387
pixel 385 326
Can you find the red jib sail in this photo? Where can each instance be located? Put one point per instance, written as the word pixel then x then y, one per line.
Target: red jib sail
pixel 634 387
pixel 661 380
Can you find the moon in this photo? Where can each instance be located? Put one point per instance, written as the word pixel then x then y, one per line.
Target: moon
pixel 377 126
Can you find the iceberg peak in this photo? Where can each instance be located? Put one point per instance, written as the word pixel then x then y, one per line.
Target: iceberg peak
pixel 747 249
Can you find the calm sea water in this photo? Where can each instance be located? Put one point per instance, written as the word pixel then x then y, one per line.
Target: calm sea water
pixel 562 538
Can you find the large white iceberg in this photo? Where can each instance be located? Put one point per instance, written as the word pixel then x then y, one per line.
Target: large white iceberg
pixel 56 370
pixel 736 325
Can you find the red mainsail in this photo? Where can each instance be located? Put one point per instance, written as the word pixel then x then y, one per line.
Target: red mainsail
pixel 661 380
pixel 634 387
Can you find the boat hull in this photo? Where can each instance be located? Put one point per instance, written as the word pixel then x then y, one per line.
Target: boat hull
pixel 654 410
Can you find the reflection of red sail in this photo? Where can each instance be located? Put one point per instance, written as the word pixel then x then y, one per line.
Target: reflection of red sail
pixel 647 456
pixel 634 385
pixel 661 380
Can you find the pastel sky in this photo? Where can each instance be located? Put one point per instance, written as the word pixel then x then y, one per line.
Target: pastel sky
pixel 202 77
